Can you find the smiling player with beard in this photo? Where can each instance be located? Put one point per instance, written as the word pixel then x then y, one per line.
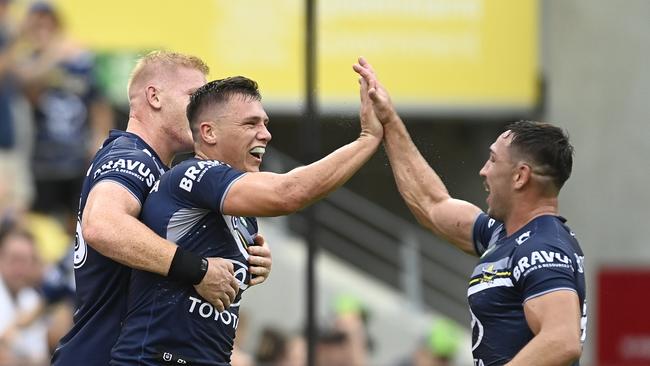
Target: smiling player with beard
pixel 527 292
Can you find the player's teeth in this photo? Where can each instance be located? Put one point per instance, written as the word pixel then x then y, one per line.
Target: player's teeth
pixel 259 150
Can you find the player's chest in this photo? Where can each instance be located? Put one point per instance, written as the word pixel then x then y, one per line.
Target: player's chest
pixel 492 279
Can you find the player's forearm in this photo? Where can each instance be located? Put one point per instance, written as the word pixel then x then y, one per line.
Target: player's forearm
pixel 416 181
pixel 126 240
pixel 548 350
pixel 305 185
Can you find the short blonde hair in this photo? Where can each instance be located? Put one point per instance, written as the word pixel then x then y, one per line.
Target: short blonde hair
pixel 165 59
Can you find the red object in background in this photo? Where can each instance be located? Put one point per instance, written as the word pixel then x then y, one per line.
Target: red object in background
pixel 624 317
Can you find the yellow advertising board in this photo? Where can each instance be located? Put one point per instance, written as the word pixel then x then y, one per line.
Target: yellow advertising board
pixel 262 40
pixel 432 54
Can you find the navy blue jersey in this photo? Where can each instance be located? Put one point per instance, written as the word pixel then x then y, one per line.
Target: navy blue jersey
pixel 101 283
pixel 58 281
pixel 541 257
pixel 168 321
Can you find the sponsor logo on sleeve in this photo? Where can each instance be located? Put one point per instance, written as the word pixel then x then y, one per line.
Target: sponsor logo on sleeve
pixel 195 172
pixel 131 167
pixel 541 259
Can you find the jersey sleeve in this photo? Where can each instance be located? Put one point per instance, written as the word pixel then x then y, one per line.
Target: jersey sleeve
pixel 485 233
pixel 134 170
pixel 211 188
pixel 540 268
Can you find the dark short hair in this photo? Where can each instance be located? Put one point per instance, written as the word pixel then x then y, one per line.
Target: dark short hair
pixel 16 232
pixel 545 146
pixel 216 92
pixel 45 8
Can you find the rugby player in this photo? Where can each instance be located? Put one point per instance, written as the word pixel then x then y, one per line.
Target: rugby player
pixel 527 292
pixel 110 240
pixel 207 205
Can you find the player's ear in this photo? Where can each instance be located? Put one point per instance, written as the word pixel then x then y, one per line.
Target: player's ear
pixel 521 175
pixel 153 97
pixel 208 132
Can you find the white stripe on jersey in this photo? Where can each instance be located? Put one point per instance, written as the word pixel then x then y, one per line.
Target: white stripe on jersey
pixel 497 282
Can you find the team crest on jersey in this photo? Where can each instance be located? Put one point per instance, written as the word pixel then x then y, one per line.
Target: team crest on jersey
pixel 488 273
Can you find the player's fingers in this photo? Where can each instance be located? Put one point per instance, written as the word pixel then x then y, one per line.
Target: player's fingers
pixel 226 301
pixel 261 251
pixel 218 304
pixel 363 62
pixel 232 293
pixel 234 284
pixel 256 261
pixel 372 92
pixel 259 240
pixel 259 271
pixel 367 75
pixel 257 280
pixel 361 70
pixel 363 89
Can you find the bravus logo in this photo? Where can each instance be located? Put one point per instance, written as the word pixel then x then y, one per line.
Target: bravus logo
pixel 133 167
pixel 540 259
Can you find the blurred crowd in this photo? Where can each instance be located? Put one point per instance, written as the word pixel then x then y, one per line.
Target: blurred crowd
pixel 53 117
pixel 344 340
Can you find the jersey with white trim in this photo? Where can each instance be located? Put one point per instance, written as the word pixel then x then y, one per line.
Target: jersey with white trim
pixel 541 257
pixel 101 283
pixel 168 321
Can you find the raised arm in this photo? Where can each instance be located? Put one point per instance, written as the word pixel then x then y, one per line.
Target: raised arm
pixel 422 189
pixel 269 194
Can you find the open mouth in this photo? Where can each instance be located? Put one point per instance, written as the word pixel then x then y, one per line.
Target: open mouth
pixel 258 152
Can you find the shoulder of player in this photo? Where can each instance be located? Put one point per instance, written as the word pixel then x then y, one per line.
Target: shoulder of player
pixel 126 152
pixel 192 170
pixel 194 167
pixel 549 241
pixel 126 161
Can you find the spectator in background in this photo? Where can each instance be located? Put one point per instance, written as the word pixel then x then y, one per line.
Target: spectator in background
pixel 345 341
pixel 439 348
pixel 296 354
pixel 20 342
pixel 352 318
pixel 16 191
pixel 71 118
pixel 276 348
pixel 272 347
pixel 333 348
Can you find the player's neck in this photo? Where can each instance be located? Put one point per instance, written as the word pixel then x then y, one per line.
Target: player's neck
pixel 153 138
pixel 204 152
pixel 525 212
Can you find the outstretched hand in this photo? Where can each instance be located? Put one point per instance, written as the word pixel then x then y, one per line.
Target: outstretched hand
pixel 381 102
pixel 370 124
